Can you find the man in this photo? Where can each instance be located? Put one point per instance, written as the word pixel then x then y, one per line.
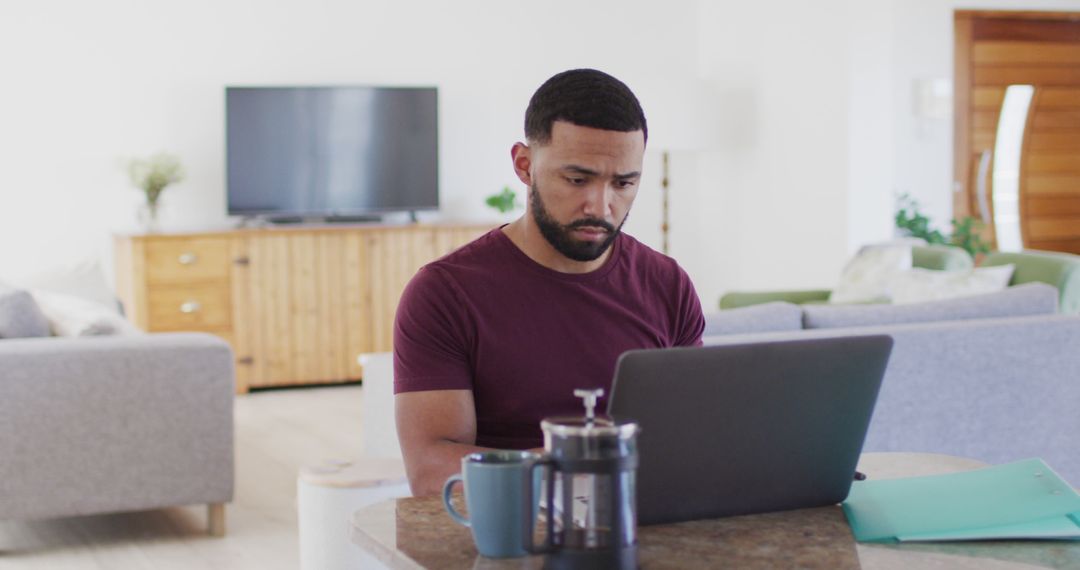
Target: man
pixel 497 335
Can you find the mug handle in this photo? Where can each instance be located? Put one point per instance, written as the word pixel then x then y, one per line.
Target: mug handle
pixel 548 546
pixel 446 500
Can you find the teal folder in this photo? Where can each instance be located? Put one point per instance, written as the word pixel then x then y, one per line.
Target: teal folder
pixel 1021 500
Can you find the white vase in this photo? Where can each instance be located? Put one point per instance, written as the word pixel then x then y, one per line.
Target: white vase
pixel 148 217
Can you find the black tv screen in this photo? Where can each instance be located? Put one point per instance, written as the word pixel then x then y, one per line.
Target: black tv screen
pixel 324 151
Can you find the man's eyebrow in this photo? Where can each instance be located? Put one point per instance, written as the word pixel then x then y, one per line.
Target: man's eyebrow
pixel 580 170
pixel 590 172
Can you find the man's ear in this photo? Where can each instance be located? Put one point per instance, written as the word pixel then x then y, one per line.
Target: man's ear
pixel 521 155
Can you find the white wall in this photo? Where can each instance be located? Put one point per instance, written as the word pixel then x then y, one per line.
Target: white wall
pixel 87 83
pixel 798 82
pixel 870 160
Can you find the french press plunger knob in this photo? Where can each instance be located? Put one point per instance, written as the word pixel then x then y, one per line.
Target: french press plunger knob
pixel 589 398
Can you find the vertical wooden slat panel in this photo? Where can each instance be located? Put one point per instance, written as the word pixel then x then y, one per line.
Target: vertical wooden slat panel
pixel 402 252
pixel 323 354
pixel 268 287
pixel 444 241
pixel 358 292
pixel 255 303
pixel 301 301
pixel 280 345
pixel 242 314
pixel 401 258
pixel 330 357
pixel 376 273
pixel 268 284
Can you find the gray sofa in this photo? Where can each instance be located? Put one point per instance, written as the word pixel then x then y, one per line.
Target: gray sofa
pixel 105 424
pixel 994 377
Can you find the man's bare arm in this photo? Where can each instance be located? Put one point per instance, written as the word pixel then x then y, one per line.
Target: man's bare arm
pixel 435 428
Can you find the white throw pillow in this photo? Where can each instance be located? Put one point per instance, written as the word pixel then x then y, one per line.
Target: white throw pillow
pixel 72 316
pixel 84 279
pixel 867 277
pixel 919 285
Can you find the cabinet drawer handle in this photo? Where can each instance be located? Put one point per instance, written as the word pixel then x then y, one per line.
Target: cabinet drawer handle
pixel 189 307
pixel 187 258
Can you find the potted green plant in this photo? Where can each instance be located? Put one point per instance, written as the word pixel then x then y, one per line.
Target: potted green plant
pixel 152 175
pixel 504 201
pixel 966 231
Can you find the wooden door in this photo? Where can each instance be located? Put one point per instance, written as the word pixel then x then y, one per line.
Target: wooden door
pixel 1050 173
pixel 303 302
pixel 995 50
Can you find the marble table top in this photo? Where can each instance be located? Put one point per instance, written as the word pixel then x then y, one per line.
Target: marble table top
pixel 417 533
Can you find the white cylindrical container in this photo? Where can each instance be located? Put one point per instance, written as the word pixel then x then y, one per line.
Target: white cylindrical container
pixel 328 495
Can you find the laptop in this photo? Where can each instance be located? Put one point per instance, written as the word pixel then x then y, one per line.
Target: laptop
pixel 748 428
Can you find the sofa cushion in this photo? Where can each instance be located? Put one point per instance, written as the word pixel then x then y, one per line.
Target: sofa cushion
pixel 867 276
pixel 1030 299
pixel 82 278
pixel 1061 270
pixel 72 316
pixel 941 257
pixel 20 316
pixel 921 285
pixel 767 317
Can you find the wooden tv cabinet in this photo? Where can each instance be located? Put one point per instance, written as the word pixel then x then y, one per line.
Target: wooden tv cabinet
pixel 297 304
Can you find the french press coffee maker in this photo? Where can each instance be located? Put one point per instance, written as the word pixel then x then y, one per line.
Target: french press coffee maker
pixel 590 463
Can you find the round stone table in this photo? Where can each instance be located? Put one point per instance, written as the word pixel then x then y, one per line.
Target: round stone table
pixel 417 533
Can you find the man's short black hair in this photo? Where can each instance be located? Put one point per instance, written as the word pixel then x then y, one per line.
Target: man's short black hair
pixel 584 97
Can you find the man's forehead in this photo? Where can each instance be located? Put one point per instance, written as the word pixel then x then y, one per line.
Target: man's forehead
pixel 568 130
pixel 596 149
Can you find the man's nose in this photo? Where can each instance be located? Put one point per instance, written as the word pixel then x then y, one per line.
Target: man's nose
pixel 598 201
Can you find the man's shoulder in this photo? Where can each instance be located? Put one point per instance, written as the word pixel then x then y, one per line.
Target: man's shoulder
pixel 483 251
pixel 642 257
pixel 480 255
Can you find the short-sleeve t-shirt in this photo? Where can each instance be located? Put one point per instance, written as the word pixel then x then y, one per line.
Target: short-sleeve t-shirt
pixel 522 337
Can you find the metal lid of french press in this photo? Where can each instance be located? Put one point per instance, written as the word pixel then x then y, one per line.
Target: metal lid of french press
pixel 590 425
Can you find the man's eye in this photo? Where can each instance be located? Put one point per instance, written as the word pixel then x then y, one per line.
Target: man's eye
pixel 627 183
pixel 576 181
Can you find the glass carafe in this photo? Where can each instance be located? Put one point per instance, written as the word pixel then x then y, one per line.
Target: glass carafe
pixel 590 463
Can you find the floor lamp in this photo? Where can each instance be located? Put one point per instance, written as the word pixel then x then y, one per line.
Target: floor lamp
pixel 681 115
pixel 683 151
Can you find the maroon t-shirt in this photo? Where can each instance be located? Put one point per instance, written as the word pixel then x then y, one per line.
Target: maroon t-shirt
pixel 523 337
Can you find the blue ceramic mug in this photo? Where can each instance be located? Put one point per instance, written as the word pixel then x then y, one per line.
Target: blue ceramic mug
pixel 495 493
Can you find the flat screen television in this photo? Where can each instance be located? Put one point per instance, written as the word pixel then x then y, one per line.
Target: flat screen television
pixel 297 152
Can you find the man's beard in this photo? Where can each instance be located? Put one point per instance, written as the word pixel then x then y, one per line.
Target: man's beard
pixel 559 235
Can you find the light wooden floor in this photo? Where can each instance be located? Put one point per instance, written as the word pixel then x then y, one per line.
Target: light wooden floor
pixel 276 433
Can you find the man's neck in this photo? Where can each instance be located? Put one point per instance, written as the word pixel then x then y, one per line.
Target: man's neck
pixel 524 233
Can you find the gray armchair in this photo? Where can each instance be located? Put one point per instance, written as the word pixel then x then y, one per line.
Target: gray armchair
pixel 122 423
